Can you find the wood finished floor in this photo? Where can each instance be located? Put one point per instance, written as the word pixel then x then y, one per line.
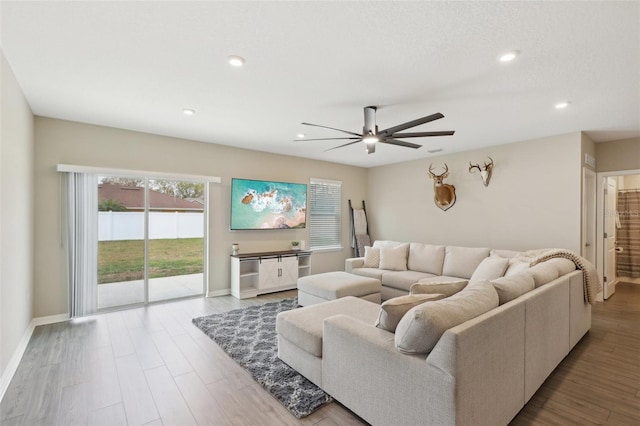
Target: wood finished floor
pixel 151 366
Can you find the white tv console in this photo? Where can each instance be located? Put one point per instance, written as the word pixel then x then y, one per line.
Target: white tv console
pixel 253 274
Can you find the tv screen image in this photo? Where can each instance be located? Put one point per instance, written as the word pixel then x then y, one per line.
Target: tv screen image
pixel 259 204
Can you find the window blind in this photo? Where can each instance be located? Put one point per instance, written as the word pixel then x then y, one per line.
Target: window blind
pixel 324 213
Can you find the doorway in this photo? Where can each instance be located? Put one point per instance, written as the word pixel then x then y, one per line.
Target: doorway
pixel 151 240
pixel 615 261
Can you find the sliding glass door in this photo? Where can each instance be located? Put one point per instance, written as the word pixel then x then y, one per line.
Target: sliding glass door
pixel 151 240
pixel 176 239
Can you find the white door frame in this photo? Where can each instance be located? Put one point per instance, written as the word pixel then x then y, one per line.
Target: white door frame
pixel 589 241
pixel 600 219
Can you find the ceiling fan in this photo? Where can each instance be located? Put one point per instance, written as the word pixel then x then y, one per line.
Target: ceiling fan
pixel 370 134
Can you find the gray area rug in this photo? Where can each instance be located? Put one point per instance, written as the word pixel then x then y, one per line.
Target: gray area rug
pixel 249 337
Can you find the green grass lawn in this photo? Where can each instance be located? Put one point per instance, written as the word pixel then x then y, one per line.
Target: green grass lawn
pixel 124 260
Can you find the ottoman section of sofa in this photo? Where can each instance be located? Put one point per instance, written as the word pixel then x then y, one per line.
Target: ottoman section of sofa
pixel 299 332
pixel 320 288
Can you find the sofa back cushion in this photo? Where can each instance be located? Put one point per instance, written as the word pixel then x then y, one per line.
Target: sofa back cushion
pixel 513 286
pixel 386 243
pixel 543 273
pixel 509 254
pixel 462 261
pixel 392 310
pixel 426 258
pixel 564 266
pixel 516 266
pixel 420 329
pixel 490 268
pixel 394 258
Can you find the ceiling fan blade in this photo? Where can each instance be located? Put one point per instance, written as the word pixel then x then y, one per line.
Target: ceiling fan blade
pixel 423 134
pixel 413 123
pixel 346 144
pixel 401 143
pixel 328 139
pixel 333 128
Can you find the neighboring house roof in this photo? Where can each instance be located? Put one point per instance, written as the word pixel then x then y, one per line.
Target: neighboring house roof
pixel 132 197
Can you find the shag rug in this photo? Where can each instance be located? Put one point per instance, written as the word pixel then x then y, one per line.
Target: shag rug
pixel 249 337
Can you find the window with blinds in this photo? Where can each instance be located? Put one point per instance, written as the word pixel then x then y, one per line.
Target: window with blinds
pixel 324 214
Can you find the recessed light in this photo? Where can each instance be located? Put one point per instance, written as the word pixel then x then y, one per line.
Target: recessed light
pixel 236 61
pixel 562 105
pixel 509 56
pixel 188 111
pixel 301 135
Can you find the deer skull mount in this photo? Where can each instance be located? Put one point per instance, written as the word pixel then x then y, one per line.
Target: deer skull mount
pixel 444 194
pixel 485 171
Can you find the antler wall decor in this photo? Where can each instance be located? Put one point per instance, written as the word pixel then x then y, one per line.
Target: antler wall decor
pixel 444 194
pixel 485 171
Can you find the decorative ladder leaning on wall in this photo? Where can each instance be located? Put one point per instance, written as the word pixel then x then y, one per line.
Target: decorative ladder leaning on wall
pixel 359 229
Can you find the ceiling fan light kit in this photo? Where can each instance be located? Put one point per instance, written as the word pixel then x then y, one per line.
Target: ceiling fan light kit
pixel 371 136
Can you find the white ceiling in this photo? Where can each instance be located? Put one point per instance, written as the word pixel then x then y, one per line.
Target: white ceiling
pixel 136 65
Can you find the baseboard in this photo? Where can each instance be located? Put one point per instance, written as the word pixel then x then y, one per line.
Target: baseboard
pixel 12 367
pixel 14 362
pixel 51 319
pixel 217 293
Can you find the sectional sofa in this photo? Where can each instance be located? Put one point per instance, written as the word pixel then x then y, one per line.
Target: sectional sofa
pixel 487 333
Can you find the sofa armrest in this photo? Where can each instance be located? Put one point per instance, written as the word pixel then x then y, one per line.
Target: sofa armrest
pixel 353 263
pixel 362 369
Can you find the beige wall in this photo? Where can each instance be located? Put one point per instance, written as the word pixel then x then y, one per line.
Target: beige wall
pixel 16 214
pixel 629 182
pixel 66 142
pixel 533 200
pixel 618 155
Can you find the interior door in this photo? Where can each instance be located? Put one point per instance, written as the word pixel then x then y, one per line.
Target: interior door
pixel 610 194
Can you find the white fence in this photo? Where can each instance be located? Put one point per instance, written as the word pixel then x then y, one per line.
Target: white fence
pixel 113 226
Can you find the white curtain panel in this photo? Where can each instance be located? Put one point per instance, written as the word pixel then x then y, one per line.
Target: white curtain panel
pixel 82 239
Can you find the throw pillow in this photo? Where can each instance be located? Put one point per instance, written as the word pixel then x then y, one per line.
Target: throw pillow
pixel 490 268
pixel 543 273
pixel 371 257
pixel 394 258
pixel 513 286
pixel 421 328
pixel 448 288
pixel 392 310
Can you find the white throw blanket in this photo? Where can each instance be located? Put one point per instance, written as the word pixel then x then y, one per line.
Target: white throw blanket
pixel 590 278
pixel 360 221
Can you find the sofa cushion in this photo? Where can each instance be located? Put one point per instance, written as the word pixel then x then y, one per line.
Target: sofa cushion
pixel 369 272
pixel 426 258
pixel 462 261
pixel 392 311
pixel 543 273
pixel 403 280
pixel 564 266
pixel 394 258
pixel 513 286
pixel 371 257
pixel 490 268
pixel 387 243
pixel 420 329
pixel 509 254
pixel 303 326
pixel 443 284
pixel 516 266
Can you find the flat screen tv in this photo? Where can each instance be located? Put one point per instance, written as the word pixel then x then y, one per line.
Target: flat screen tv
pixel 260 204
